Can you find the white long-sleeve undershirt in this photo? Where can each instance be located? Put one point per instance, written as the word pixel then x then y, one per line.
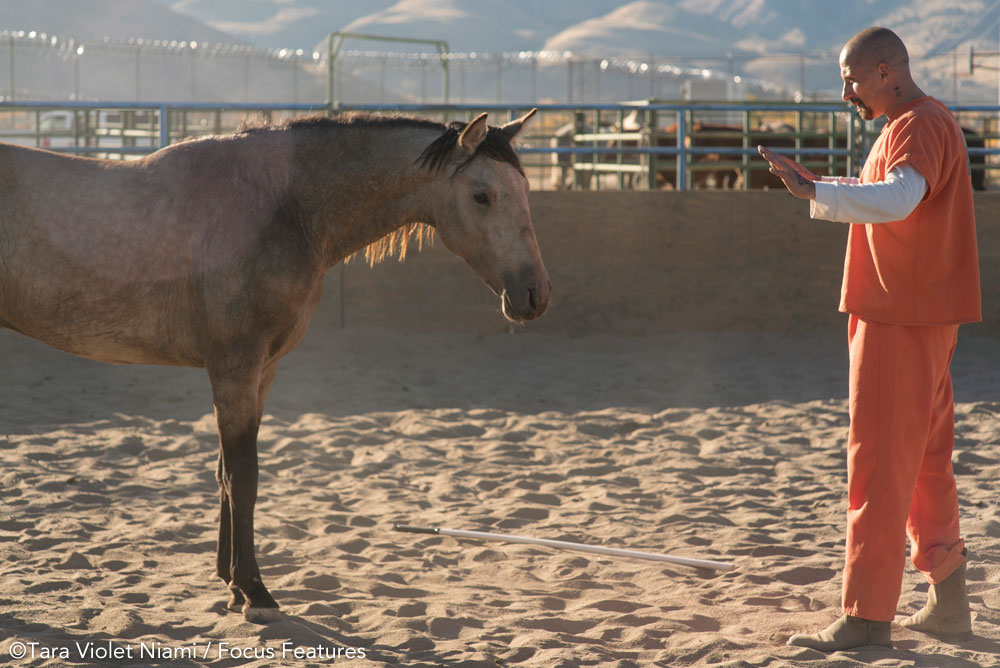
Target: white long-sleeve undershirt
pixel 847 200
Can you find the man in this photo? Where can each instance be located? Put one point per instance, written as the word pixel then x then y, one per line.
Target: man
pixel 911 276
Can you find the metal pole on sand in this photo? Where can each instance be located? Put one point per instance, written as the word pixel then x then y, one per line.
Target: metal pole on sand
pixel 566 545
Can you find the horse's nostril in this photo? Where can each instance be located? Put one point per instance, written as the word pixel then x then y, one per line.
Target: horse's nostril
pixel 532 302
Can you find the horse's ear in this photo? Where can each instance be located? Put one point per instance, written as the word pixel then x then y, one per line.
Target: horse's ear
pixel 515 128
pixel 473 134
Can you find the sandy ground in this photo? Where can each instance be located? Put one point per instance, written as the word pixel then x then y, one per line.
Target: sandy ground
pixel 716 446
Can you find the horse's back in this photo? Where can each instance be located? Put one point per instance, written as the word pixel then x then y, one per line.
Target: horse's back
pixel 143 261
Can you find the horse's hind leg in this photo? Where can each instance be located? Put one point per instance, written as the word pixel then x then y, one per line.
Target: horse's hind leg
pixel 238 405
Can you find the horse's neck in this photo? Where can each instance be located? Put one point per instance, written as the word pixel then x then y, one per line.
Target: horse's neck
pixel 364 185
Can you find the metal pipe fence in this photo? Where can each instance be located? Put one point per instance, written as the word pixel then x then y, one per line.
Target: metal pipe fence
pixel 635 146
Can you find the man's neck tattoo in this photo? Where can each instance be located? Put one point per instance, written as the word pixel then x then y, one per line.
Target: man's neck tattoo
pixel 899 93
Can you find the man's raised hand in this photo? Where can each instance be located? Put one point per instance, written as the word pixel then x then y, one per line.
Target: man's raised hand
pixel 796 178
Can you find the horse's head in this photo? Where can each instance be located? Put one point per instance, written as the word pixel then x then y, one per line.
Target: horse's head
pixel 481 212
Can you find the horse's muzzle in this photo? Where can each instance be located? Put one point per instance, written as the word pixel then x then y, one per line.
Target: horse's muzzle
pixel 526 300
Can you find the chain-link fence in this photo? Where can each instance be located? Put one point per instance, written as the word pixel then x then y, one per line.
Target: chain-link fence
pixel 38 66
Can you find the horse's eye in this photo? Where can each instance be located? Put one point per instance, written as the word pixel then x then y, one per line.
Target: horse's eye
pixel 481 198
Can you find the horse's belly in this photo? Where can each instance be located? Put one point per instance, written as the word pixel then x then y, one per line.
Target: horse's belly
pixel 140 330
pixel 116 348
pixel 130 353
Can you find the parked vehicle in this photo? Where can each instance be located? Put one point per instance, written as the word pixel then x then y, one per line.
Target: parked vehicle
pixel 70 129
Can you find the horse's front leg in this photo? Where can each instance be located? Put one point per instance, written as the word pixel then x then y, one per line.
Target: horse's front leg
pixel 238 400
pixel 224 553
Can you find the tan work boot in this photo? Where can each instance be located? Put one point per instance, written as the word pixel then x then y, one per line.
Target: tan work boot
pixel 845 633
pixel 946 614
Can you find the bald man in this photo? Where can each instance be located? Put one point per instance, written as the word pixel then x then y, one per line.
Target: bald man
pixel 911 277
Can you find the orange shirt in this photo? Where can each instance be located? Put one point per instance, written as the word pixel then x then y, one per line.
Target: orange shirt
pixel 923 270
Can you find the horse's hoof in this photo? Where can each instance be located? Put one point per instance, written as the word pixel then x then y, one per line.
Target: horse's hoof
pixel 261 615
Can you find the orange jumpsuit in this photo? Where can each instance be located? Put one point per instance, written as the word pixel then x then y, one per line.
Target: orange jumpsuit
pixel 907 286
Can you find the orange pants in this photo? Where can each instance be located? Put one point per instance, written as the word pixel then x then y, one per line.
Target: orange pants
pixel 899 474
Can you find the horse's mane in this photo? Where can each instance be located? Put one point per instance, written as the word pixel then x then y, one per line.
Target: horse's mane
pixel 496 146
pixel 260 124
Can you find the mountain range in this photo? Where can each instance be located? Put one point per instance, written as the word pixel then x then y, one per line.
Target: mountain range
pixel 793 43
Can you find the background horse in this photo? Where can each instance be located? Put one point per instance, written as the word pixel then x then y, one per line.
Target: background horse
pixel 564 176
pixel 211 253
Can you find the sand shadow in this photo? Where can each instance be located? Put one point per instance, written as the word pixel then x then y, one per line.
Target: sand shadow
pixel 362 370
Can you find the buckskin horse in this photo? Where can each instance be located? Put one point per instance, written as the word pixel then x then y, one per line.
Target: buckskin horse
pixel 211 252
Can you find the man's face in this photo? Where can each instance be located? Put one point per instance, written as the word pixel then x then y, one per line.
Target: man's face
pixel 862 86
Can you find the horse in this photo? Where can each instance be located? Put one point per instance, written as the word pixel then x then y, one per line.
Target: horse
pixel 211 252
pixel 564 176
pixel 703 169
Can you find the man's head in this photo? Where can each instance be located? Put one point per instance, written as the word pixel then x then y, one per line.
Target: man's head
pixel 875 68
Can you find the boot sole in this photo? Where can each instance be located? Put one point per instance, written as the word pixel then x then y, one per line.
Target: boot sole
pixel 952 637
pixel 855 648
pixel 948 637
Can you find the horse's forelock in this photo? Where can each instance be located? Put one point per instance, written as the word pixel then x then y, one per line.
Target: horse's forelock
pixel 496 146
pixel 437 152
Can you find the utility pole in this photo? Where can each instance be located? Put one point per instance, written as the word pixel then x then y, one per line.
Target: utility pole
pixel 11 38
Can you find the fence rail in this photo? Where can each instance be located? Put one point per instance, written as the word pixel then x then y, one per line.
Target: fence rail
pixel 642 145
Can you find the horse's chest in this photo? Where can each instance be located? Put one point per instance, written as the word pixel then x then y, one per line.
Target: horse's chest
pixel 276 319
pixel 298 324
